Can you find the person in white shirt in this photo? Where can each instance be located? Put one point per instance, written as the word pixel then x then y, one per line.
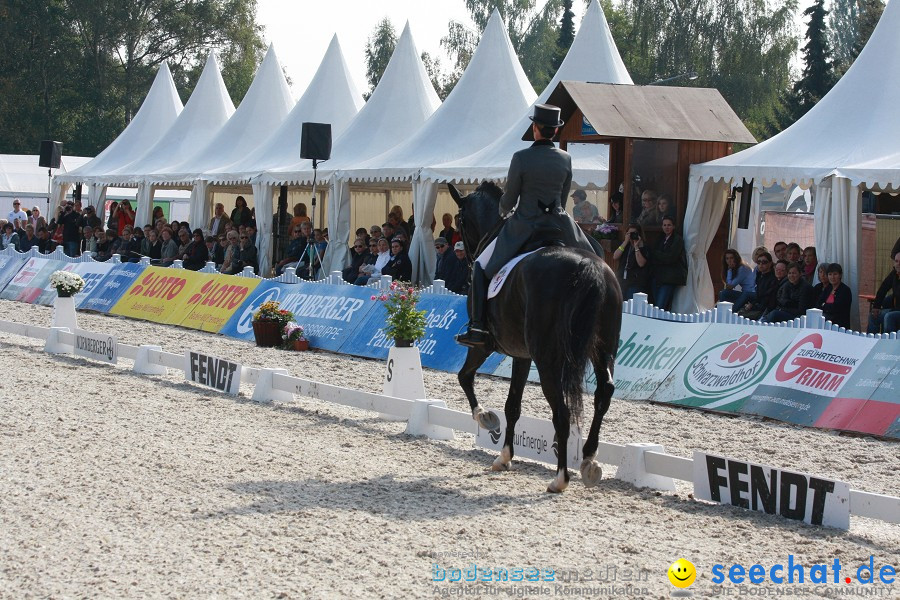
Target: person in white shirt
pixel 218 222
pixel 17 214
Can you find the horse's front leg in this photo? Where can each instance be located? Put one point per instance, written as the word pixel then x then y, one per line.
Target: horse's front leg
pixel 591 473
pixel 475 357
pixel 512 410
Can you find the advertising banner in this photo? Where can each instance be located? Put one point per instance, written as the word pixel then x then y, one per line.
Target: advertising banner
pixel 9 266
pixel 762 488
pixel 96 346
pixel 724 366
pixel 160 295
pixel 808 376
pixel 28 284
pixel 91 272
pixel 108 291
pixel 213 372
pixel 534 439
pixel 217 299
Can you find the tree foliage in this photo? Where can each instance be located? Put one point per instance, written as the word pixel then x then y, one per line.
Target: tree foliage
pixel 77 70
pixel 817 77
pixel 566 34
pixel 379 49
pixel 869 15
pixel 843 32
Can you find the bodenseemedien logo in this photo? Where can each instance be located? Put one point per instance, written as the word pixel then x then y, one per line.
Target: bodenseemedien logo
pixel 727 368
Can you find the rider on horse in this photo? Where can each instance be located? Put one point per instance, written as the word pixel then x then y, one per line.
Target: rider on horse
pixel 539 179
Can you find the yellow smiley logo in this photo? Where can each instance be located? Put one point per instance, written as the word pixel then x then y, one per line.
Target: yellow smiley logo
pixel 682 573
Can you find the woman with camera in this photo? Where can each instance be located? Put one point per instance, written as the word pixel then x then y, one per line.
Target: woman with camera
pixel 123 215
pixel 634 261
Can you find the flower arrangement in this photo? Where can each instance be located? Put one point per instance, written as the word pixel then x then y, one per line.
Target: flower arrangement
pixel 272 311
pixel 607 231
pixel 67 284
pixel 292 333
pixel 404 322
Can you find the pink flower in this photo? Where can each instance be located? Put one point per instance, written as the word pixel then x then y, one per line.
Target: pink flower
pixel 373 298
pixel 403 296
pixel 383 297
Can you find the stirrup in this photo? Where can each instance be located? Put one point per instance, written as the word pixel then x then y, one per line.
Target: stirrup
pixel 474 337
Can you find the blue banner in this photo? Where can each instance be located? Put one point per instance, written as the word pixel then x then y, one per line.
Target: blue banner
pixel 106 293
pixel 329 314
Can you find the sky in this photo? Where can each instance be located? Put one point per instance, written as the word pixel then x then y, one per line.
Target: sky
pixel 301 30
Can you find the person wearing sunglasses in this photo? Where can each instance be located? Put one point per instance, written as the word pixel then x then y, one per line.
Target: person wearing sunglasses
pixel 295 248
pixel 360 254
pixel 766 288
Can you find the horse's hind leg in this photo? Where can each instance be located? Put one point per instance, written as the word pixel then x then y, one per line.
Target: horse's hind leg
pixel 551 384
pixel 512 410
pixel 475 357
pixel 590 467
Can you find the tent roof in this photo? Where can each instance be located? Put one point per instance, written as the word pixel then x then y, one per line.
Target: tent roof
pixel 207 110
pixel 265 105
pixel 331 97
pixel 20 173
pixel 489 97
pixel 852 132
pixel 158 112
pixel 593 56
pixel 403 99
pixel 651 112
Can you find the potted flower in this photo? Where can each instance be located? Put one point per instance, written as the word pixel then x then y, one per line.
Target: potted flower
pixel 67 284
pixel 607 231
pixel 269 322
pixel 405 324
pixel 293 338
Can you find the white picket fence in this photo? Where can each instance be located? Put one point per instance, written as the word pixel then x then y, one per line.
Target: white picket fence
pixel 639 463
pixel 639 306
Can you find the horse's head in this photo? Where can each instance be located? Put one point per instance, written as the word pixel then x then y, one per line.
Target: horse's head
pixel 479 213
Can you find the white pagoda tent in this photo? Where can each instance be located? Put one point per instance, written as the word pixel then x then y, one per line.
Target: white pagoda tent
pixel 846 143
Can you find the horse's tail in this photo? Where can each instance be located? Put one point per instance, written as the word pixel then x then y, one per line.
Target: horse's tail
pixel 579 328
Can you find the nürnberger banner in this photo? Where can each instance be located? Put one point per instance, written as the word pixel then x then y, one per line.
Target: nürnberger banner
pixel 96 346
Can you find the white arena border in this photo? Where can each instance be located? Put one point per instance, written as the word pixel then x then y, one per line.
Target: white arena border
pixel 640 464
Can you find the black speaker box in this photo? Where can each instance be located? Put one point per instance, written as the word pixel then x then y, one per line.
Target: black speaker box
pixel 315 141
pixel 51 154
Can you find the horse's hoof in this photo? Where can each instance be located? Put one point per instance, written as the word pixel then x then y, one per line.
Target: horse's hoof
pixel 591 473
pixel 500 465
pixel 558 485
pixel 488 420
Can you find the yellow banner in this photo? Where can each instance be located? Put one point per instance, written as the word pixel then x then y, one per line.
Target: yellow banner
pixel 216 300
pixel 160 294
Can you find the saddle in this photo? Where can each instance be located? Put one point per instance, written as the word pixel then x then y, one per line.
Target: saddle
pixel 543 237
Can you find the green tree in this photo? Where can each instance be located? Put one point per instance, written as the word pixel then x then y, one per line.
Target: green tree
pixel 843 32
pixel 869 15
pixel 817 77
pixel 566 34
pixel 379 49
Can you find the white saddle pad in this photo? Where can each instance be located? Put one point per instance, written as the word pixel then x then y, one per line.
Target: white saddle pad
pixel 501 277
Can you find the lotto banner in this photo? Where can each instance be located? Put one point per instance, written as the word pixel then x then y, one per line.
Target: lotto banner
pixel 811 373
pixel 217 299
pixel 28 284
pixel 107 292
pixel 160 295
pixel 9 266
pixel 724 366
pixel 329 314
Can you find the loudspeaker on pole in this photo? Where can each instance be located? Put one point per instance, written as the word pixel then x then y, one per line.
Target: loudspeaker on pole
pixel 315 141
pixel 51 154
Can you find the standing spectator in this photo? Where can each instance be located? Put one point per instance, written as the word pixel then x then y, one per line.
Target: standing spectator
pixel 448 230
pixel 836 297
pixel 634 261
pixel 457 270
pixel 112 221
pixel 766 288
pixel 196 253
pixel 71 233
pixel 36 220
pixel 664 207
pixel 669 265
pixel 649 216
pixel 780 251
pixel 169 251
pixel 89 218
pixel 615 208
pixel 809 264
pixel 795 297
pixel 219 221
pixel 882 317
pixel 300 215
pixel 360 254
pixel 125 217
pixel 735 274
pixel 399 266
pixel 241 213
pixel 17 217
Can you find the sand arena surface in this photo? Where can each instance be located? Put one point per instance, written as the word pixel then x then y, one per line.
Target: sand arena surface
pixel 116 485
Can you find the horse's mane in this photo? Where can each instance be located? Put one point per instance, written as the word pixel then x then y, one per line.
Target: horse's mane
pixel 493 192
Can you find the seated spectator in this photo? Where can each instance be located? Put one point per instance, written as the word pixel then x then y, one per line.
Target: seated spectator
pixel 196 253
pixel 757 252
pixel 448 230
pixel 440 254
pixel 103 253
pixel 88 242
pixel 9 238
pixel 669 265
pixel 214 251
pixel 615 208
pixel 398 224
pixel 248 256
pixel 822 280
pixel 399 266
pixel 300 235
pixel 360 254
pixel 113 244
pixel 583 211
pixel 387 230
pixel 664 207
pixel 27 238
pixel 317 250
pixel 169 251
pixel 882 318
pixel 363 234
pixel 795 297
pixel 634 263
pixel 130 248
pixel 218 221
pixel 375 232
pixel 232 257
pixel 793 252
pixel 781 269
pixel 735 274
pixel 457 270
pixel 835 299
pixel 45 245
pixel 649 216
pixel 766 288
pixel 779 252
pixel 809 264
pixel 374 271
pixel 152 246
pixel 300 215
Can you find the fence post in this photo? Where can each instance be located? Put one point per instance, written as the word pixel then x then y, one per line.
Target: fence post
pixel 438 287
pixel 53 345
pixel 815 319
pixel 265 392
pixel 723 312
pixel 142 362
pixel 336 278
pixel 176 264
pixel 639 304
pixel 633 470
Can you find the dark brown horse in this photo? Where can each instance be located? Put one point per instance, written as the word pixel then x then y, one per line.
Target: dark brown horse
pixel 560 307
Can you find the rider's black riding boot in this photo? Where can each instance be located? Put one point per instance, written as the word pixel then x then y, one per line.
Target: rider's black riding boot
pixel 477 335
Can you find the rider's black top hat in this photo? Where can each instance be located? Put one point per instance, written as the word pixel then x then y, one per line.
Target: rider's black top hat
pixel 547 115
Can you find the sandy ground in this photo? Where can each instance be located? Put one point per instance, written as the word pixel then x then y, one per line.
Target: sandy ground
pixel 116 485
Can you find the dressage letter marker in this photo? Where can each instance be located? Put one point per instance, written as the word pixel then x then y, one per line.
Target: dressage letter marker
pixel 217 373
pixel 766 489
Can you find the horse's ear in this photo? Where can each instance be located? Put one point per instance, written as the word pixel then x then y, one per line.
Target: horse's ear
pixel 454 193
